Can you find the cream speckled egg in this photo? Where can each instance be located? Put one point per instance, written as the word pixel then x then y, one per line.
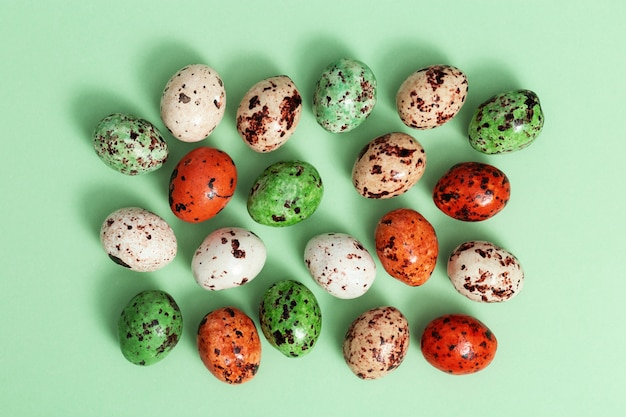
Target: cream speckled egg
pixel 388 166
pixel 138 239
pixel 268 113
pixel 193 102
pixel 484 272
pixel 228 257
pixel 431 96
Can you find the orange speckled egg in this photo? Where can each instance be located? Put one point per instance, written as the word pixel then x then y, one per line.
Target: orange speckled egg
pixel 407 246
pixel 229 345
pixel 202 183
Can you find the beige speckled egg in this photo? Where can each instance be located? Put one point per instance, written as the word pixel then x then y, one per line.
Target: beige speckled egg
pixel 268 113
pixel 431 96
pixel 388 166
pixel 376 342
pixel 193 102
pixel 138 239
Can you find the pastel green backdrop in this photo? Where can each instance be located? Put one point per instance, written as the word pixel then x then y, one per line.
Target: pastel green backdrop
pixel 65 65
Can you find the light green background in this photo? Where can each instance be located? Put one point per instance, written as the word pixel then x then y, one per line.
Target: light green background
pixel 64 66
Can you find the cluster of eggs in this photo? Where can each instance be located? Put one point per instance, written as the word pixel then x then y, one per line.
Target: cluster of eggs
pixel 287 192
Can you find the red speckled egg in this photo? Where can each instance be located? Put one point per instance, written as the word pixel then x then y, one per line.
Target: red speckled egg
pixel 202 183
pixel 472 191
pixel 229 345
pixel 407 246
pixel 458 344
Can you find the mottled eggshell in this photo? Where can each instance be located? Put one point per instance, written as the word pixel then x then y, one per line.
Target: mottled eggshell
pixel 229 345
pixel 431 96
pixel 344 96
pixel 507 122
pixel 484 272
pixel 149 327
pixel 193 102
pixel 458 344
pixel 138 239
pixel 285 193
pixel 269 113
pixel 202 184
pixel 376 342
pixel 129 145
pixel 340 264
pixel 228 257
pixel 407 246
pixel 472 191
pixel 388 166
pixel 291 319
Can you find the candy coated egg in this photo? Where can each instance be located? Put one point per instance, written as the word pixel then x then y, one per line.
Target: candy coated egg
pixel 407 246
pixel 228 257
pixel 340 264
pixel 229 345
pixel 376 342
pixel 388 166
pixel 345 95
pixel 285 193
pixel 201 184
pixel 268 113
pixel 138 239
pixel 193 102
pixel 484 272
pixel 129 145
pixel 472 191
pixel 507 122
pixel 291 319
pixel 431 96
pixel 149 327
pixel 458 344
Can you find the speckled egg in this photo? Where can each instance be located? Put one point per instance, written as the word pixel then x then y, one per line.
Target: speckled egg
pixel 458 344
pixel 376 342
pixel 431 96
pixel 344 96
pixel 138 239
pixel 388 166
pixel 149 327
pixel 229 345
pixel 407 246
pixel 228 257
pixel 291 319
pixel 269 113
pixel 340 264
pixel 285 193
pixel 472 191
pixel 129 145
pixel 193 102
pixel 202 184
pixel 484 272
pixel 506 122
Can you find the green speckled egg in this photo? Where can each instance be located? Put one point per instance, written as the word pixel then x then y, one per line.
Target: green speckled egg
pixel 291 318
pixel 506 122
pixel 285 193
pixel 149 327
pixel 344 96
pixel 129 145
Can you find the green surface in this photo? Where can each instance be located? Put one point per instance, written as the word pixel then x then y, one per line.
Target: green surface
pixel 67 65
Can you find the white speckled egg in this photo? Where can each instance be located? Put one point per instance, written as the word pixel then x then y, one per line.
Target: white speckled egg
pixel 388 166
pixel 431 96
pixel 340 264
pixel 268 113
pixel 228 257
pixel 193 102
pixel 376 342
pixel 138 239
pixel 484 272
